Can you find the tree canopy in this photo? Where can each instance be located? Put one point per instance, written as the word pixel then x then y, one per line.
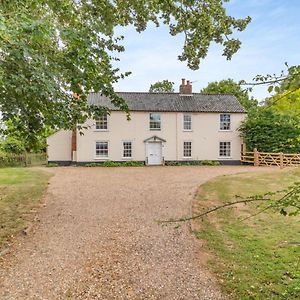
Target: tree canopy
pixel 286 102
pixel 19 139
pixel 51 50
pixel 164 86
pixel 229 86
pixel 271 131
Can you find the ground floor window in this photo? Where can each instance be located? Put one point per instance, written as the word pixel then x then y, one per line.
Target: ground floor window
pixel 102 149
pixel 225 149
pixel 127 149
pixel 187 149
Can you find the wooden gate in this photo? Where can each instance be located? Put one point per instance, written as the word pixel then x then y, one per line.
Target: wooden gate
pixel 270 159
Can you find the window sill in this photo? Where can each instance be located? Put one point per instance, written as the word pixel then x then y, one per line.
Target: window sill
pixel 101 158
pixel 230 130
pixel 101 130
pixel 187 130
pixel 187 157
pixel 126 158
pixel 155 129
pixel 225 157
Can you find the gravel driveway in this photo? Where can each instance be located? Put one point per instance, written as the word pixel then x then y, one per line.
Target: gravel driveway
pixel 97 238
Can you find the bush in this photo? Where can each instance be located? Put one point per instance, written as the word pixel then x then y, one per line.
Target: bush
pixel 11 160
pixel 193 163
pixel 270 131
pixel 110 163
pixel 210 163
pixel 52 165
pixel 90 165
pixel 133 164
pixel 12 145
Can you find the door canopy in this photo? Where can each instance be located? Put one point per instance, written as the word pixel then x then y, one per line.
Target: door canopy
pixel 154 138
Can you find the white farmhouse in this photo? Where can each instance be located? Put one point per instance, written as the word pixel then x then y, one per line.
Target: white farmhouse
pixel 164 127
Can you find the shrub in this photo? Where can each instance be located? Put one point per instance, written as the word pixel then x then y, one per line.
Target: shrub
pixel 110 163
pixel 11 160
pixel 193 163
pixel 210 163
pixel 52 165
pixel 12 145
pixel 90 165
pixel 133 164
pixel 270 131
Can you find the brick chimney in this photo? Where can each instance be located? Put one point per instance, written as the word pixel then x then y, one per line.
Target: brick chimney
pixel 185 88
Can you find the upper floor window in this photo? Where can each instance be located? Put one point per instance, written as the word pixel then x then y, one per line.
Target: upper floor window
pixel 187 149
pixel 155 121
pixel 225 149
pixel 187 122
pixel 102 149
pixel 127 149
pixel 225 122
pixel 102 123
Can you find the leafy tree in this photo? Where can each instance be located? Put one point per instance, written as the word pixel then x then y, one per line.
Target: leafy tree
pixel 164 86
pixel 286 102
pixel 271 131
pixel 286 82
pixel 12 145
pixel 53 49
pixel 17 136
pixel 228 86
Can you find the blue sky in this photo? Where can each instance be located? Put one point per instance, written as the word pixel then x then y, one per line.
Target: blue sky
pixel 270 40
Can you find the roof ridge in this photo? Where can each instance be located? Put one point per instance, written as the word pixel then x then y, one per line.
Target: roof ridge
pixel 170 93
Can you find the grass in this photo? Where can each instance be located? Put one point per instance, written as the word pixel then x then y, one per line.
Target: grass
pixel 258 258
pixel 20 191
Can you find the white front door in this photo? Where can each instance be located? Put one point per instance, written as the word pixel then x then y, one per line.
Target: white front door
pixel 154 152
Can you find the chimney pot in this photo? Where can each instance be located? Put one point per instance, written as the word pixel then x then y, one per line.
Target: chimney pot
pixel 185 89
pixel 183 81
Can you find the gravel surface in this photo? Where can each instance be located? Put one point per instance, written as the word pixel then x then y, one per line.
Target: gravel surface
pixel 96 238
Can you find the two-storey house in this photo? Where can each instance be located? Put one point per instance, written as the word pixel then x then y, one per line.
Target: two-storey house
pixel 163 127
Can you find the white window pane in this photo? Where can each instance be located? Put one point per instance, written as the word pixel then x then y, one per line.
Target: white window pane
pixel 187 149
pixel 225 121
pixel 155 121
pixel 187 122
pixel 127 149
pixel 101 122
pixel 225 149
pixel 102 149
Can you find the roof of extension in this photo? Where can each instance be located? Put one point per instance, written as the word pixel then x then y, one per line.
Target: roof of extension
pixel 172 102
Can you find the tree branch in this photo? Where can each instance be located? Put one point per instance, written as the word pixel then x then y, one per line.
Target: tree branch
pixel 228 204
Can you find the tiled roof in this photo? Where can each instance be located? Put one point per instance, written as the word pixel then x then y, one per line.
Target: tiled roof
pixel 172 102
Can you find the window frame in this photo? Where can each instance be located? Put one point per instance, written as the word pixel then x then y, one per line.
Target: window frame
pixel 103 121
pixel 101 156
pixel 187 122
pixel 223 123
pixel 123 149
pixel 155 129
pixel 225 150
pixel 191 149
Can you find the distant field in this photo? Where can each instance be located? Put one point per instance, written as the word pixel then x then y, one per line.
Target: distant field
pixel 20 191
pixel 258 258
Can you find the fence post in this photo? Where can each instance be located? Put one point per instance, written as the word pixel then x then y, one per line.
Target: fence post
pixel 281 160
pixel 256 158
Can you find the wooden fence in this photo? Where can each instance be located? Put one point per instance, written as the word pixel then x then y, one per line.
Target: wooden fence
pixel 270 159
pixel 22 160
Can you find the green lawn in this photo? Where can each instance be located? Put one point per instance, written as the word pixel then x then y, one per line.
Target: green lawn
pixel 258 258
pixel 20 190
